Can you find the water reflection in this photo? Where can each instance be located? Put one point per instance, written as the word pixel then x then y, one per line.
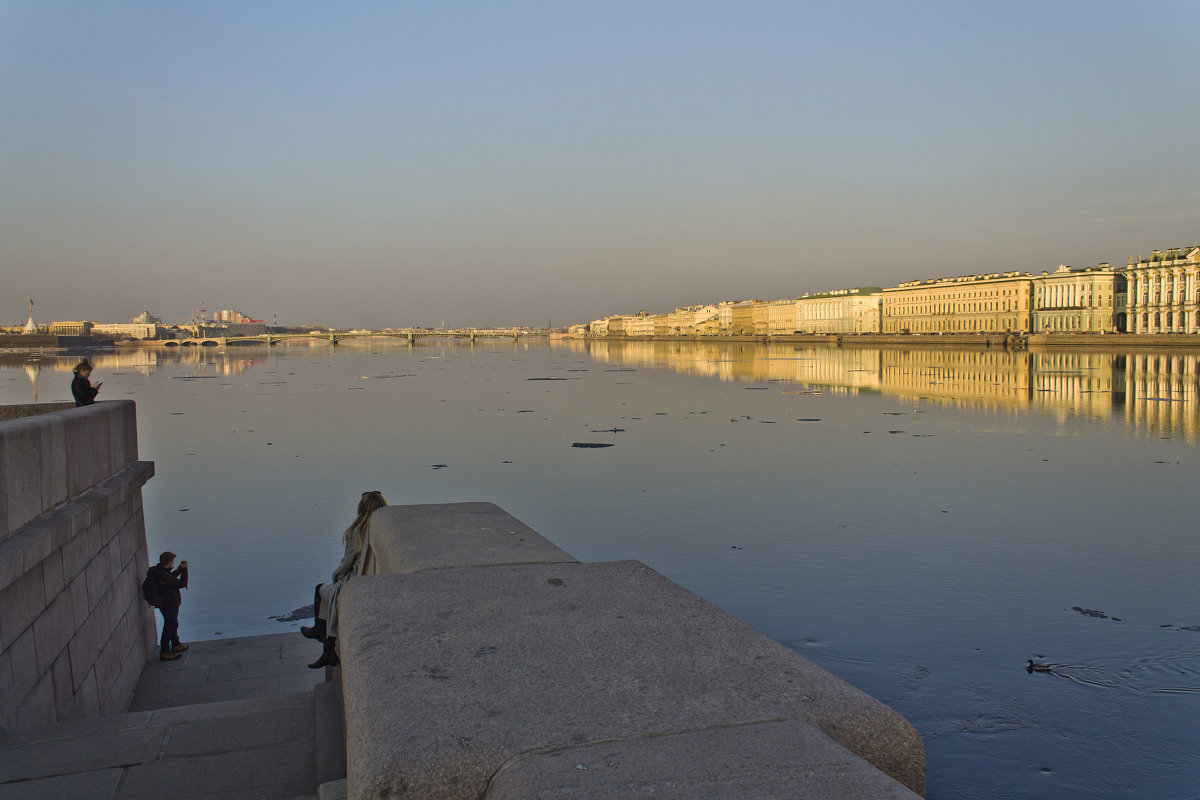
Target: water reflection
pixel 1156 393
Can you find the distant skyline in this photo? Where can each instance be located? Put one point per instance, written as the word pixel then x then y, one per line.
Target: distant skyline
pixel 389 164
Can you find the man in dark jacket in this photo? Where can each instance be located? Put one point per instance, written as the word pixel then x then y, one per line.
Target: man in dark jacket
pixel 169 581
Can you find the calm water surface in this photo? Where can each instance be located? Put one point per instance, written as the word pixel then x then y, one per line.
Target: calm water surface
pixel 920 523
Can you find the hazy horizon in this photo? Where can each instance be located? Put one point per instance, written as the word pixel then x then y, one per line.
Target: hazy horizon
pixel 396 164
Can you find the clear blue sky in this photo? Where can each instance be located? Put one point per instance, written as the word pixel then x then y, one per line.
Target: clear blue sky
pixel 401 163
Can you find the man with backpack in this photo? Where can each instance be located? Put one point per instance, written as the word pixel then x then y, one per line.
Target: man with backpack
pixel 161 589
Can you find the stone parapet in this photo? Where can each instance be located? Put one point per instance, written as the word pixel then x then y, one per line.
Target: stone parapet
pixel 519 678
pixel 74 631
pixel 413 538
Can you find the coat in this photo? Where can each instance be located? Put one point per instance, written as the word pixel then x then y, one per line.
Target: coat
pixel 357 560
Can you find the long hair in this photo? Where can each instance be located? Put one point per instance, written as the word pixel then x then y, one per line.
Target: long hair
pixel 368 505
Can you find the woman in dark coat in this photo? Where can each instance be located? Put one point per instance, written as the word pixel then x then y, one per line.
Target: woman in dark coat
pixel 81 387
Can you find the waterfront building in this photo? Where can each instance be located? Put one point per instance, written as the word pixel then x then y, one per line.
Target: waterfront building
pixel 1079 301
pixel 82 328
pixel 599 327
pixel 742 318
pixel 725 316
pixel 993 303
pixel 781 318
pixel 130 330
pixel 838 312
pixel 640 324
pixel 1164 292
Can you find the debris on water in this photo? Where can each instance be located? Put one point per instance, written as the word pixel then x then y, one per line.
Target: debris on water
pixel 551 378
pixel 303 612
pixel 610 430
pixel 505 462
pixel 761 388
pixel 1193 628
pixel 893 413
pixel 1090 612
pixel 524 410
pixel 439 466
pixel 767 421
pixel 591 444
pixel 660 413
pixel 808 419
pixel 895 432
pixel 176 413
pixel 185 509
pixel 555 581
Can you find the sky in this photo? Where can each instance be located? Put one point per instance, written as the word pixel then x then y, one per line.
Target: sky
pixel 389 164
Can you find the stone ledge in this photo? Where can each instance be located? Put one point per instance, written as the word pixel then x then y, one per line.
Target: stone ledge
pixel 412 538
pixel 449 674
pixel 764 760
pixel 23 550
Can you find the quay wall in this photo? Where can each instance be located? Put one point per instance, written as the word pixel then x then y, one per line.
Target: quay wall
pixel 74 631
pixel 479 660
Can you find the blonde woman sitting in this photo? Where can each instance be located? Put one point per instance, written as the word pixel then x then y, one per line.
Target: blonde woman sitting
pixel 356 561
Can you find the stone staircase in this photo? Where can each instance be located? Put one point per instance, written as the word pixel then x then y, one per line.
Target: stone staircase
pixel 231 719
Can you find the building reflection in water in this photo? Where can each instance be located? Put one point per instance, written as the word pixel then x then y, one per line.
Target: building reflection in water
pixel 144 361
pixel 1155 392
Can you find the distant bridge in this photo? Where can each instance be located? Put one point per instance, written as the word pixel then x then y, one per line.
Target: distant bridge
pixel 333 337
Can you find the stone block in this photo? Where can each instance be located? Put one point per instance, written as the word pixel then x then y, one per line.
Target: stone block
pixel 12 562
pixel 37 707
pixel 22 466
pixel 24 663
pixel 79 517
pixel 85 647
pixel 79 599
pixel 108 669
pixel 82 443
pixel 54 462
pixel 64 686
pixel 84 703
pixel 39 543
pixel 123 688
pixel 121 748
pixel 20 604
pixel 94 783
pixel 283 771
pixel 52 631
pixel 412 538
pixel 766 761
pixel 5 527
pixel 52 575
pixel 455 671
pixel 76 554
pixel 98 579
pixel 8 693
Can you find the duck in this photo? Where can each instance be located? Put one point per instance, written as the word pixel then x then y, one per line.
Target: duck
pixel 1033 666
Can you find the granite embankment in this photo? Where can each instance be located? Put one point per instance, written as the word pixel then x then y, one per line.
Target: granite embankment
pixel 479 661
pixel 74 632
pixel 483 661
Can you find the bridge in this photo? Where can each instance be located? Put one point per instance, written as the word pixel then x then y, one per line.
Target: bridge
pixel 333 337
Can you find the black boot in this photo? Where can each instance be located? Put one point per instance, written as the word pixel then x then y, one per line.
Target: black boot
pixel 315 631
pixel 329 657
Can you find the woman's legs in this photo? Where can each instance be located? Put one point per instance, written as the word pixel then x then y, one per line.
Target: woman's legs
pixel 317 630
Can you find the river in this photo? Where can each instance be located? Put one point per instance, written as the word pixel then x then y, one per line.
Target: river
pixel 919 522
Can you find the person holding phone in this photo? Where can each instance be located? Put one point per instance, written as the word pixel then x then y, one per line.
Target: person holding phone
pixel 81 387
pixel 170 579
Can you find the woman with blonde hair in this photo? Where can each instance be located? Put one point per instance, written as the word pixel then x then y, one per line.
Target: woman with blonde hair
pixel 356 561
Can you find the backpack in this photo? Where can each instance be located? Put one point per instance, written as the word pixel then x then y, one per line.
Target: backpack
pixel 150 589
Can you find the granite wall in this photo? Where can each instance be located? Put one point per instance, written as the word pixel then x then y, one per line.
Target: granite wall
pixel 74 631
